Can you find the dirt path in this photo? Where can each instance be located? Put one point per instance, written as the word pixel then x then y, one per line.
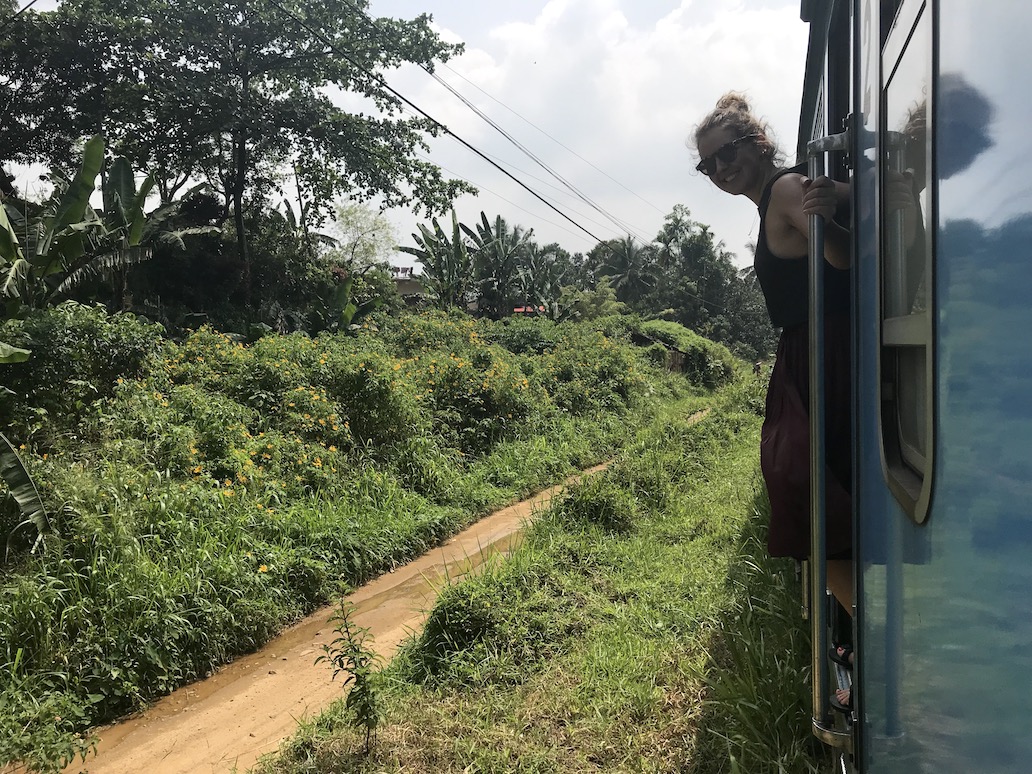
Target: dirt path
pixel 224 723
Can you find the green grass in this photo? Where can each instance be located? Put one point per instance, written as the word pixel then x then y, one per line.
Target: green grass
pixel 629 633
pixel 209 493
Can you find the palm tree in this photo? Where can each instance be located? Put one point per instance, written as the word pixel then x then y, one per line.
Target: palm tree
pixel 631 268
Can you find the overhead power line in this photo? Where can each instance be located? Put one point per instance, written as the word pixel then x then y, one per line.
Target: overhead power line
pixel 371 23
pixel 553 139
pixel 303 23
pixel 499 196
pixel 10 19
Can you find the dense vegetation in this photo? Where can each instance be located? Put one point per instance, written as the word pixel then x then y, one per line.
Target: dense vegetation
pixel 222 112
pixel 634 630
pixel 217 410
pixel 201 494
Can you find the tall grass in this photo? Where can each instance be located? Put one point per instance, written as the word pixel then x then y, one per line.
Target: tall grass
pixel 212 492
pixel 590 649
pixel 758 674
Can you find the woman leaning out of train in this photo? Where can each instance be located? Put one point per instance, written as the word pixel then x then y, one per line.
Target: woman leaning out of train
pixel 738 154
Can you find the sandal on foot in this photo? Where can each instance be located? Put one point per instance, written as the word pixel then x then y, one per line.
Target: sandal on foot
pixel 841 654
pixel 845 707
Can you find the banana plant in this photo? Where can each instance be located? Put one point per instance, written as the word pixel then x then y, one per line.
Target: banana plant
pixel 447 262
pixel 9 246
pixel 70 241
pixel 23 489
pixel 500 254
pixel 54 241
pixel 339 311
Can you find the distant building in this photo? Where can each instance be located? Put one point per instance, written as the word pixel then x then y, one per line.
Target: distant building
pixel 408 285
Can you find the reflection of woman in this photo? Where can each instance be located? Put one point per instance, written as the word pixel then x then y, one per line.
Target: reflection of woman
pixel 739 158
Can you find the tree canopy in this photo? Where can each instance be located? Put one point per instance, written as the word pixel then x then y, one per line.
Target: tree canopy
pixel 229 92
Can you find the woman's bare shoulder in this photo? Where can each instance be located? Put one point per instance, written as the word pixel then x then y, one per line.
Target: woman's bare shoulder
pixel 785 237
pixel 787 187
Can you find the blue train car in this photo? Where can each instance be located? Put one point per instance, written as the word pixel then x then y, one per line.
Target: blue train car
pixel 935 91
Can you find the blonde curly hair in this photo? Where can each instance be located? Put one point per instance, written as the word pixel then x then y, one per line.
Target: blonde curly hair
pixel 734 112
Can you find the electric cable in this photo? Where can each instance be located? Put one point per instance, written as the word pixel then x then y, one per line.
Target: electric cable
pixel 10 20
pixel 379 79
pixel 565 147
pixel 497 127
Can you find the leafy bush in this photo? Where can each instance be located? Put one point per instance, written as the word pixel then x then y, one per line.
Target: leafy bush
pixel 707 363
pixel 78 354
pixel 210 491
pixel 522 335
pixel 498 627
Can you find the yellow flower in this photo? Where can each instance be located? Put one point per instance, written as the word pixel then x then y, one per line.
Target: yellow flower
pixel 263 568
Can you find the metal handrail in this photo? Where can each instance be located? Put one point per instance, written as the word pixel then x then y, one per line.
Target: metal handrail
pixel 822 726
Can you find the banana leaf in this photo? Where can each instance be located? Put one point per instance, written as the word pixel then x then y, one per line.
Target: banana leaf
pixel 9 249
pixel 11 354
pixel 116 259
pixel 23 489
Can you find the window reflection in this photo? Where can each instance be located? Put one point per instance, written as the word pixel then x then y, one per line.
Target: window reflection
pixel 906 188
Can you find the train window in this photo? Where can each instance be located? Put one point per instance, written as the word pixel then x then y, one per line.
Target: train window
pixel 906 258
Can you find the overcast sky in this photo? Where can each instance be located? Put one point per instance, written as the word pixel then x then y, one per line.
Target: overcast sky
pixel 620 84
pixel 604 92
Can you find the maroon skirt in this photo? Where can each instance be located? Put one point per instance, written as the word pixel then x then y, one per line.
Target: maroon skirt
pixel 785 443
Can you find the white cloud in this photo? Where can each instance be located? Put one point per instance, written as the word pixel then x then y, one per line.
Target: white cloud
pixel 621 83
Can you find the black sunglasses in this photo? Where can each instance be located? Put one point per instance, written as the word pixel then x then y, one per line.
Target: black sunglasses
pixel 727 153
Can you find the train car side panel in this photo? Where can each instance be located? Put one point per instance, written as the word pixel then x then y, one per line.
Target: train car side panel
pixel 945 621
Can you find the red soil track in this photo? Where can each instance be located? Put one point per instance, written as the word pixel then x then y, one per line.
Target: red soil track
pixel 245 710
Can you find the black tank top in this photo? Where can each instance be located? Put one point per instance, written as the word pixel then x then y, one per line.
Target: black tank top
pixel 785 281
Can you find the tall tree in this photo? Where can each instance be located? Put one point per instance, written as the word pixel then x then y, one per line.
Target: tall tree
pixel 630 266
pixel 364 237
pixel 227 91
pixel 700 287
